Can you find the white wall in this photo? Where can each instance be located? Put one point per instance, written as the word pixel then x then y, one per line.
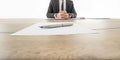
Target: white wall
pixel 38 8
pixel 23 8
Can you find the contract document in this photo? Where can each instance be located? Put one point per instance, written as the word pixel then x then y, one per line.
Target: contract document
pixel 68 30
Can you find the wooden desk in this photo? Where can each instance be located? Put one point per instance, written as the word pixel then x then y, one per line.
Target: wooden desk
pixel 102 46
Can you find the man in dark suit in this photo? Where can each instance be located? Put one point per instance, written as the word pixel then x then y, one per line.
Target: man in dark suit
pixel 53 10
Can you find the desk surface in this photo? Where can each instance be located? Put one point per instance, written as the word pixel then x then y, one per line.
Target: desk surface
pixel 101 46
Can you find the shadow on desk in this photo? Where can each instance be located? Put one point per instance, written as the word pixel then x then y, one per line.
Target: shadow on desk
pixel 79 18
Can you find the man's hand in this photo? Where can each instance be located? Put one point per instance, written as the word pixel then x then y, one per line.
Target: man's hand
pixel 63 14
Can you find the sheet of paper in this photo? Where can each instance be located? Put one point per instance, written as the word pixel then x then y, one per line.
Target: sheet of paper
pixel 36 30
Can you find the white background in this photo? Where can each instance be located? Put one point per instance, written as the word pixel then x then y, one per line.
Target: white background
pixel 38 8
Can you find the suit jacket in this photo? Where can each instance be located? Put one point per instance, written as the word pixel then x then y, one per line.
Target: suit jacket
pixel 54 8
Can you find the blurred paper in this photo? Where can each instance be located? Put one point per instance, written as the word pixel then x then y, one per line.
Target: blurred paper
pixel 36 30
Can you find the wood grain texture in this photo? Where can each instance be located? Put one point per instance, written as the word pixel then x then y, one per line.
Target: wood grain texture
pixel 105 45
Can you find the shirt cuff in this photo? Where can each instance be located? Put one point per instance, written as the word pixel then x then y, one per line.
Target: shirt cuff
pixel 55 15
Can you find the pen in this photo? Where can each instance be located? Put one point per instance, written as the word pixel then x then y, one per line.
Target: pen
pixel 56 25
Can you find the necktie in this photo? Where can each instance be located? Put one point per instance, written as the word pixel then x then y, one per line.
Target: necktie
pixel 62 6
